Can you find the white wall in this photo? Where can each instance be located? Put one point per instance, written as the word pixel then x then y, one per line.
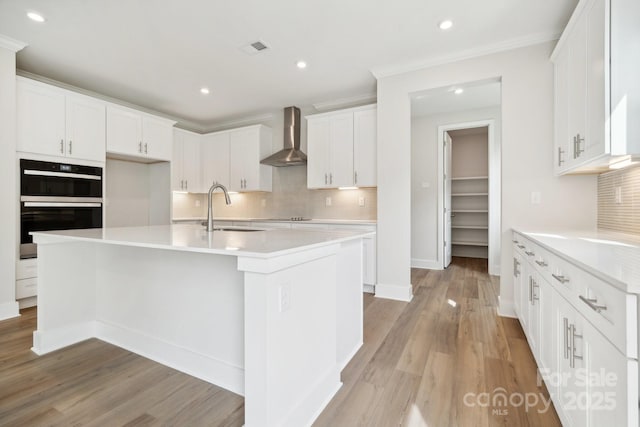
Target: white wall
pixel 527 158
pixel 8 189
pixel 425 238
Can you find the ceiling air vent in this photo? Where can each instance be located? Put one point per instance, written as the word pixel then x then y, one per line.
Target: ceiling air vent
pixel 255 47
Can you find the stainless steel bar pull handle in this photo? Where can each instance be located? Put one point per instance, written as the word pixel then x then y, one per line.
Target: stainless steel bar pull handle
pixel 182 184
pixel 330 178
pixel 541 263
pixel 145 148
pixel 560 279
pixel 355 177
pixel 560 153
pixel 534 293
pixel 186 184
pixel 566 337
pixel 62 146
pixel 140 147
pixel 579 141
pixel 575 148
pixel 530 253
pixel 592 303
pixel 70 146
pixel 530 288
pixel 572 338
pixel 521 246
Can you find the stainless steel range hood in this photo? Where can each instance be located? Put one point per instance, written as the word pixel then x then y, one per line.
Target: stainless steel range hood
pixel 290 155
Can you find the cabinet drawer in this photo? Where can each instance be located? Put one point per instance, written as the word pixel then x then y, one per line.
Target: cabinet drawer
pixel 26 268
pixel 26 288
pixel 611 311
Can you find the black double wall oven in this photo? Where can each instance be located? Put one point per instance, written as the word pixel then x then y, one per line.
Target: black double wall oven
pixel 57 196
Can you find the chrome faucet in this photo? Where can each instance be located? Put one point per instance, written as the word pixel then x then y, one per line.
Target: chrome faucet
pixel 227 199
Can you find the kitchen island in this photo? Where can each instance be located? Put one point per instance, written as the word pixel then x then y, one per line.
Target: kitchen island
pixel 273 315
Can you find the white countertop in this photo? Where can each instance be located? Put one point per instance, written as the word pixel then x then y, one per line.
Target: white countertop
pixel 310 221
pixel 613 257
pixel 194 238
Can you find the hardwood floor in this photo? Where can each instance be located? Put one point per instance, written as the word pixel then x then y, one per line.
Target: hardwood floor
pixel 425 363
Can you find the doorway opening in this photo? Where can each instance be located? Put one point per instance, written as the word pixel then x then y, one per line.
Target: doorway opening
pixel 466 192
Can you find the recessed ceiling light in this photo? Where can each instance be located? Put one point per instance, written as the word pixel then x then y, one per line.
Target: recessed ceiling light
pixel 34 16
pixel 301 64
pixel 446 24
pixel 204 91
pixel 458 91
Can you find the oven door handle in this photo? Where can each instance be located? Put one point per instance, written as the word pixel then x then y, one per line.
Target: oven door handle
pixel 62 174
pixel 61 205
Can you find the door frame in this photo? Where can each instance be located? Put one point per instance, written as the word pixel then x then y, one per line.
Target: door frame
pixel 495 173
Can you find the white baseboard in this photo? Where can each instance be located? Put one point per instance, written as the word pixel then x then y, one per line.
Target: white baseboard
pixel 182 359
pixel 47 341
pixel 429 264
pixel 370 289
pixel 494 270
pixel 318 398
pixel 342 364
pixel 28 302
pixel 395 292
pixel 9 310
pixel 506 308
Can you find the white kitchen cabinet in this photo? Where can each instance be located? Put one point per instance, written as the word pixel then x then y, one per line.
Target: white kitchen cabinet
pixel 186 162
pixel 247 146
pixel 215 159
pixel 583 334
pixel 341 148
pixel 597 94
pixel 138 135
pixel 365 131
pixel 232 158
pixel 56 122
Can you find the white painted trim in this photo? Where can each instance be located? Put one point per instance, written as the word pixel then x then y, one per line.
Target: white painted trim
pixel 345 102
pixel 495 207
pixel 47 341
pixel 11 44
pixel 9 309
pixel 344 110
pixel 369 289
pixel 343 363
pixel 392 70
pixel 429 264
pixel 198 365
pixel 506 308
pixel 28 302
pixel 253 120
pixel 395 292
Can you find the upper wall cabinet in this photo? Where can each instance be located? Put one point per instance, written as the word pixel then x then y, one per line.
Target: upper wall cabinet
pixel 138 135
pixel 597 90
pixel 233 157
pixel 341 147
pixel 185 163
pixel 56 122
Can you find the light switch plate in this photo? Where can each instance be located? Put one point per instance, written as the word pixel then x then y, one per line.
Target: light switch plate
pixel 535 197
pixel 327 201
pixel 619 195
pixel 361 201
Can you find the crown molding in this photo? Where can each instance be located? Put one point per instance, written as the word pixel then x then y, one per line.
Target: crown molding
pixel 352 101
pixel 11 44
pixel 393 70
pixel 251 120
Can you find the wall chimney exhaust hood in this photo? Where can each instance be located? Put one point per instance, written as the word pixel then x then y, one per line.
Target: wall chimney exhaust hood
pixel 290 155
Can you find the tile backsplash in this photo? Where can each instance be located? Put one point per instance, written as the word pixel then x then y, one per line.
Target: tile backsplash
pixel 290 197
pixel 619 200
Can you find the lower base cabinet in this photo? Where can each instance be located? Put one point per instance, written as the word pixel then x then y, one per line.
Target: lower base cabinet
pixel 591 380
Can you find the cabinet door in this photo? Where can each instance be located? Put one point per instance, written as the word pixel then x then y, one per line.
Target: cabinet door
pixel 369 261
pixel 365 148
pixel 613 386
pixel 318 146
pixel 571 367
pixel 547 340
pixel 157 137
pixel 517 284
pixel 191 163
pixel 244 155
pixel 85 128
pixel 177 174
pixel 124 132
pixel 577 89
pixel 215 160
pixel 563 147
pixel 341 150
pixel 596 141
pixel 41 122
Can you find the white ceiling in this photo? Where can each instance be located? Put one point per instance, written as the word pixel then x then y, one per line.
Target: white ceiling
pixel 445 100
pixel 158 53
